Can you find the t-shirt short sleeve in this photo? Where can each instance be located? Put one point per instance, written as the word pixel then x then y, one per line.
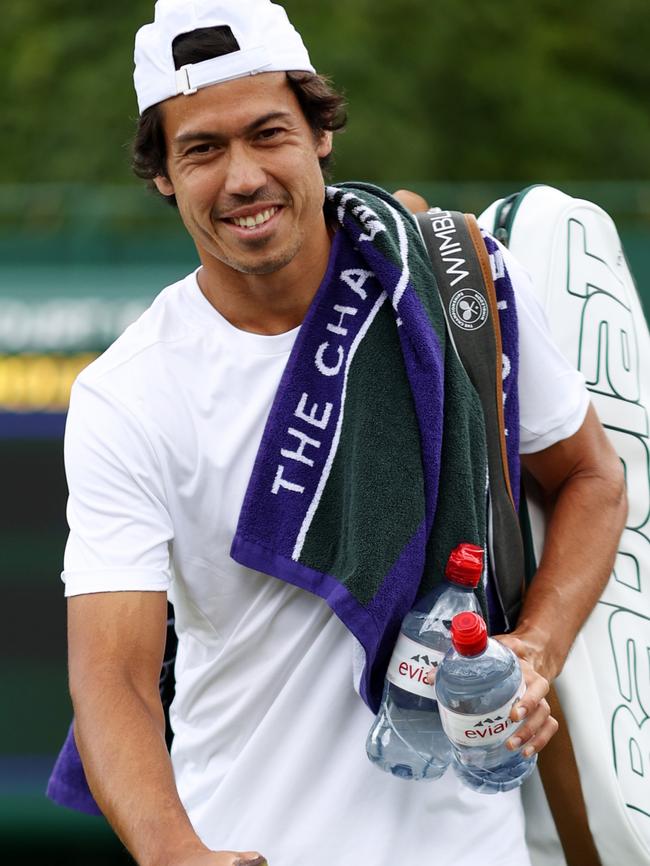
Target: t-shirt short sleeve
pixel 553 398
pixel 120 528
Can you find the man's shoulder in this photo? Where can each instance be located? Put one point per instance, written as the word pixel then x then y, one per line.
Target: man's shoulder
pixel 165 322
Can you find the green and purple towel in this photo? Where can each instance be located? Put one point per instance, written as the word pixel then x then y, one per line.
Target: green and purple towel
pixel 372 466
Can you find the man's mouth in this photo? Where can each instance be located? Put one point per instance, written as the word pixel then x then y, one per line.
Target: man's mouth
pixel 251 222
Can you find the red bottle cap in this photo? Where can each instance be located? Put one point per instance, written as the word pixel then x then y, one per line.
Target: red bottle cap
pixel 465 565
pixel 468 633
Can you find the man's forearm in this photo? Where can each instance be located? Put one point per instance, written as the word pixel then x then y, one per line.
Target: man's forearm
pixel 583 531
pixel 120 737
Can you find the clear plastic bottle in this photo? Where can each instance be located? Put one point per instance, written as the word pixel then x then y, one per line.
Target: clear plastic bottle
pixel 406 738
pixel 477 685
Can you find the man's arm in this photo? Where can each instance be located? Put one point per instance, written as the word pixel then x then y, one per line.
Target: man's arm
pixel 116 644
pixel 583 484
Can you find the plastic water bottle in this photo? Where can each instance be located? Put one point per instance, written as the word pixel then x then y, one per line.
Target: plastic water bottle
pixel 478 683
pixel 406 738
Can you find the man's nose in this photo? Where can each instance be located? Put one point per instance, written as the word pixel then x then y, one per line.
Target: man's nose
pixel 244 175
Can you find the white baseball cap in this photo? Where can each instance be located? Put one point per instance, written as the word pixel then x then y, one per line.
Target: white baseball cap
pixel 268 42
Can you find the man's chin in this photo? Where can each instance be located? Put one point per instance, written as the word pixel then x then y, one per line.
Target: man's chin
pixel 261 264
pixel 260 270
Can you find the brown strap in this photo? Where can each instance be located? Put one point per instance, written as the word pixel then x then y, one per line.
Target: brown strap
pixel 491 295
pixel 559 772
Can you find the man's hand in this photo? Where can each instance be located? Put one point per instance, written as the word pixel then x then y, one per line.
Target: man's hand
pixel 414 202
pixel 539 725
pixel 223 858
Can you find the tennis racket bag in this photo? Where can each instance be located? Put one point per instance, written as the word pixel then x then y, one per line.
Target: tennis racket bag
pixel 573 252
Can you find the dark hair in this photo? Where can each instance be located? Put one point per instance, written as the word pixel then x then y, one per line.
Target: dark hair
pixel 322 106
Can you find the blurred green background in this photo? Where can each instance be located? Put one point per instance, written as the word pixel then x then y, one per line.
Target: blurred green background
pixel 462 101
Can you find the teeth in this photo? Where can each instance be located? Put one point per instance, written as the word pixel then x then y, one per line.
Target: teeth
pixel 250 222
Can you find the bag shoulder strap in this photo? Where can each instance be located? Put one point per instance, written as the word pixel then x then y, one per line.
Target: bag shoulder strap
pixel 557 763
pixel 461 266
pixel 558 767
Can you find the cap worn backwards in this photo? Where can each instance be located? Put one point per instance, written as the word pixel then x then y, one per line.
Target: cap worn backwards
pixel 267 40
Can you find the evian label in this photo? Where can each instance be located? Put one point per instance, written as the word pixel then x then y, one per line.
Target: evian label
pixel 487 729
pixel 413 667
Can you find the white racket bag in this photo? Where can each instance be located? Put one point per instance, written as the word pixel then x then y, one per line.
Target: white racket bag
pixel 573 252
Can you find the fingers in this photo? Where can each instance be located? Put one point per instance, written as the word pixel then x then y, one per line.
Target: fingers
pixel 533 734
pixel 223 858
pixel 531 728
pixel 536 690
pixel 539 725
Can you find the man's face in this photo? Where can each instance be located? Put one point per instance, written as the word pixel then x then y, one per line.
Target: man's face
pixel 243 165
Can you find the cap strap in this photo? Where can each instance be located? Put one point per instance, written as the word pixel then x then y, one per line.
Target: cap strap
pixel 192 76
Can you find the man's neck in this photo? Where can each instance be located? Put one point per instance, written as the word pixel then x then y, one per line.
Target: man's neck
pixel 265 303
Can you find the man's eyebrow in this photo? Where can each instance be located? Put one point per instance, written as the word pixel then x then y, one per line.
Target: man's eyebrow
pixel 200 135
pixel 267 118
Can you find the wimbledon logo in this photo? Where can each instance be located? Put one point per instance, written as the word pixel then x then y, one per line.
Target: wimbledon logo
pixel 468 310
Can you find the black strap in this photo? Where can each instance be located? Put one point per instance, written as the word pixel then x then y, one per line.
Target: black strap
pixel 462 270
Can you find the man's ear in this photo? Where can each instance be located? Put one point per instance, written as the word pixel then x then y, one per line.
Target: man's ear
pixel 324 146
pixel 164 185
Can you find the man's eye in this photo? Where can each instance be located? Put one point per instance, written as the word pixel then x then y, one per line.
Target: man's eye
pixel 269 133
pixel 200 149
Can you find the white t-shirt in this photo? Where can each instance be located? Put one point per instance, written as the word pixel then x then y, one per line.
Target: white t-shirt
pixel 269 747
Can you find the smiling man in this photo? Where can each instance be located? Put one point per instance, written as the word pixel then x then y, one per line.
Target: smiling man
pixel 162 445
pixel 249 188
